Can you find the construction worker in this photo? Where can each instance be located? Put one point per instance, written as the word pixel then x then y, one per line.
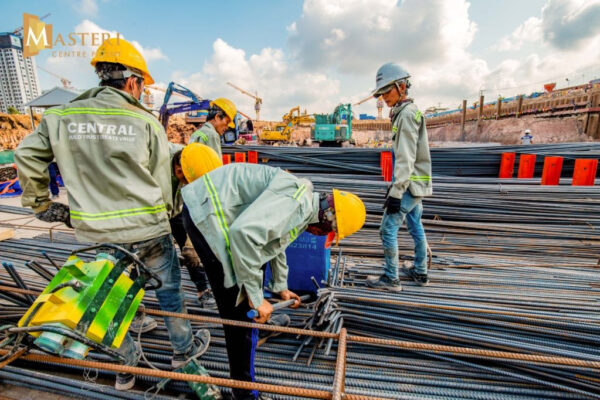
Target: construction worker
pixel 221 116
pixel 113 155
pixel 241 216
pixel 411 181
pixel 528 138
pixel 190 258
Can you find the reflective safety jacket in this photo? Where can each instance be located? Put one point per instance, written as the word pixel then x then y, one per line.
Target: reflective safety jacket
pixel 412 169
pixel 209 136
pixel 113 156
pixel 249 214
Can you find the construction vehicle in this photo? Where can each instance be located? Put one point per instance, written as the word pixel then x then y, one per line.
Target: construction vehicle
pixel 282 131
pixel 197 111
pixel 379 105
pixel 333 130
pixel 257 100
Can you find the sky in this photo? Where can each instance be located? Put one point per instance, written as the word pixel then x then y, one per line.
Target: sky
pixel 319 53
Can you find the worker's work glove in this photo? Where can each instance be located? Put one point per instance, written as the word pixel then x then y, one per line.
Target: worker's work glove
pixel 54 212
pixel 190 258
pixel 289 295
pixel 392 205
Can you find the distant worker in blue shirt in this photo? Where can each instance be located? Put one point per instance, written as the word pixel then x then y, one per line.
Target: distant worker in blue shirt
pixel 528 138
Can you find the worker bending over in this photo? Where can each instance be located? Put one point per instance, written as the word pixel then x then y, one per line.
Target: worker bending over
pixel 221 116
pixel 190 258
pixel 411 181
pixel 241 216
pixel 113 155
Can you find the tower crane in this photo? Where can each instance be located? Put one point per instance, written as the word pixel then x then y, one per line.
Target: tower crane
pixel 379 105
pixel 257 102
pixel 65 82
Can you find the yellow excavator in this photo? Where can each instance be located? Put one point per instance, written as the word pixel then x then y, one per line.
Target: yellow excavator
pixel 282 131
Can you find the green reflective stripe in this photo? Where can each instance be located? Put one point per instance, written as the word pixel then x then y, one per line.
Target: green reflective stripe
pixel 394 129
pixel 118 211
pixel 293 234
pixel 214 197
pixel 418 116
pixel 299 192
pixel 102 111
pixel 117 214
pixel 420 178
pixel 201 135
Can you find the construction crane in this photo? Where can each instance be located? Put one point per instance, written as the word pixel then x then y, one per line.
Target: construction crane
pixel 257 102
pixel 379 105
pixel 65 82
pixel 19 29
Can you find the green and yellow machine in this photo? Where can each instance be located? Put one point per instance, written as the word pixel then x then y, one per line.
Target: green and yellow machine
pixel 89 304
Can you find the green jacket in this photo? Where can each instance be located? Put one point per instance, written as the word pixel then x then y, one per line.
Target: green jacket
pixel 412 169
pixel 208 135
pixel 249 214
pixel 113 155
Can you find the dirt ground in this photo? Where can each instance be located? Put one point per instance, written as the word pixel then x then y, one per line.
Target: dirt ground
pixel 510 131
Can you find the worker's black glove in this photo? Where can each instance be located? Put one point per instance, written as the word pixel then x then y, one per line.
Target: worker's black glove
pixel 190 258
pixel 392 205
pixel 55 212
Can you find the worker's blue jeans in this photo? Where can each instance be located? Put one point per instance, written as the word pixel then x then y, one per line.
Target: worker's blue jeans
pixel 411 210
pixel 160 257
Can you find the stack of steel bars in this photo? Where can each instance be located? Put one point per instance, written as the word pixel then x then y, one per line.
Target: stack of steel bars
pixel 513 269
pixel 477 161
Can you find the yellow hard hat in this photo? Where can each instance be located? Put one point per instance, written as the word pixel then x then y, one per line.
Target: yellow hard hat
pixel 117 50
pixel 227 106
pixel 197 159
pixel 350 213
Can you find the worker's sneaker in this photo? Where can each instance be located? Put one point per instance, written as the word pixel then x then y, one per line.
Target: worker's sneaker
pixel 199 346
pixel 124 381
pixel 385 283
pixel 420 279
pixel 275 320
pixel 206 299
pixel 144 325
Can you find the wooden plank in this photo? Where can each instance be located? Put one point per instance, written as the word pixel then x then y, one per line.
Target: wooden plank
pixel 6 233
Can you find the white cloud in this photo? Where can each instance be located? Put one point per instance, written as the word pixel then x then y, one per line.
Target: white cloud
pixel 570 23
pixel 529 31
pixel 278 82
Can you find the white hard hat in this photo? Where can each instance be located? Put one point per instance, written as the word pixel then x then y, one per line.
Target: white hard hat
pixel 386 75
pixel 527 130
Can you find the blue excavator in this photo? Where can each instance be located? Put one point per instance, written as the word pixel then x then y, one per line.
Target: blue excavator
pixel 197 109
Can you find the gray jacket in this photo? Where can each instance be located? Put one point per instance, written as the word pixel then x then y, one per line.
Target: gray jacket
pixel 113 155
pixel 248 215
pixel 209 136
pixel 412 170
